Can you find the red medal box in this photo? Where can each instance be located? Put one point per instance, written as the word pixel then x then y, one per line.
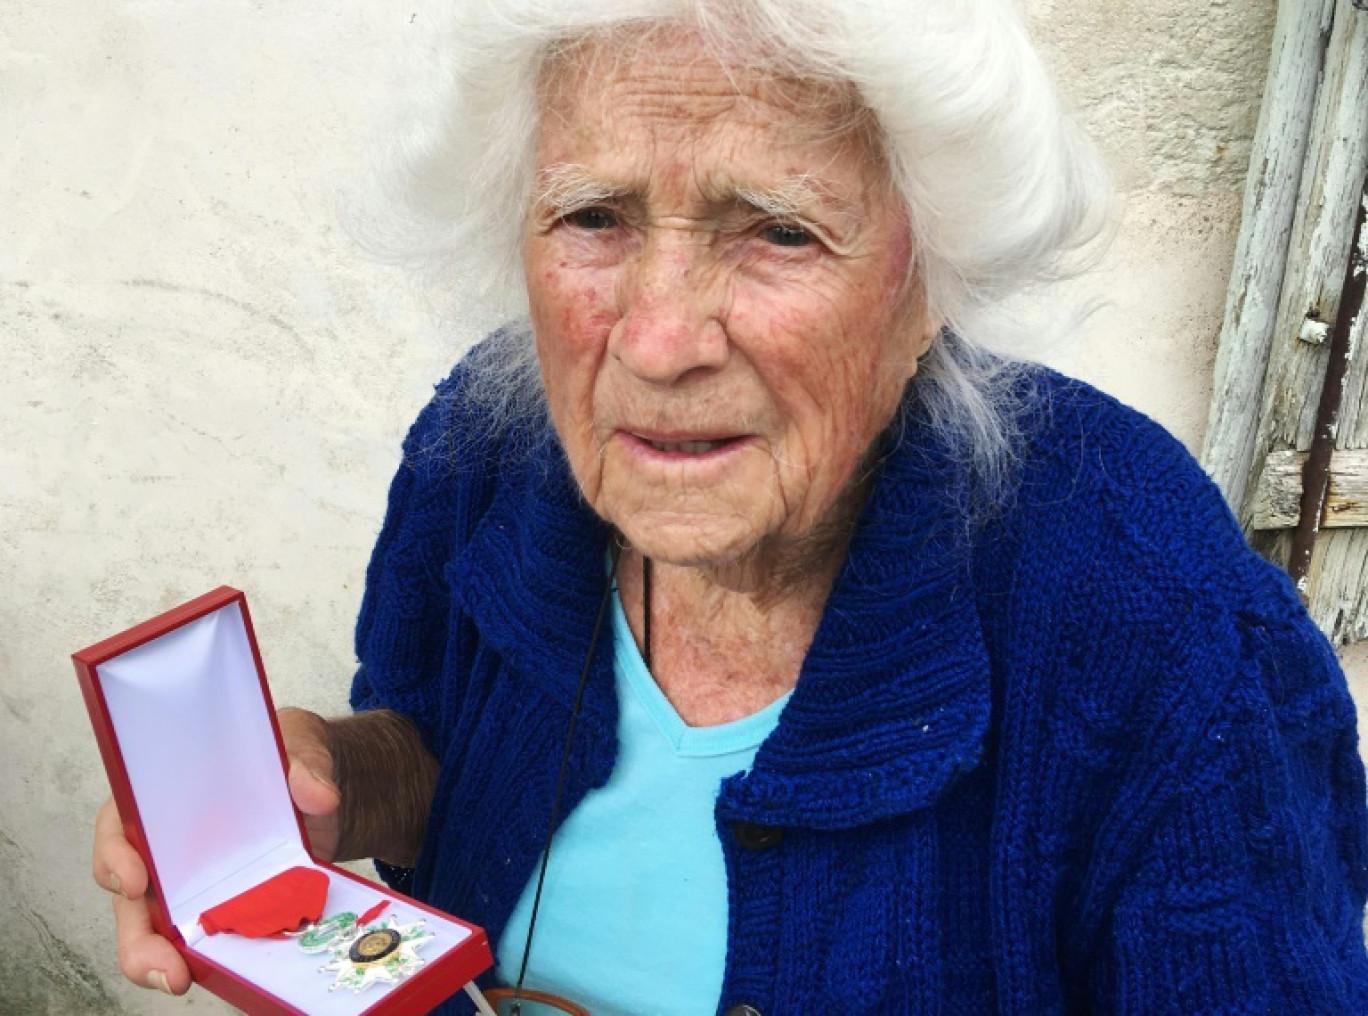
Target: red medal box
pixel 189 738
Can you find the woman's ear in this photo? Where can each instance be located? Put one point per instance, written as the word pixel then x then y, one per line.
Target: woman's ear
pixel 929 333
pixel 922 327
pixel 922 332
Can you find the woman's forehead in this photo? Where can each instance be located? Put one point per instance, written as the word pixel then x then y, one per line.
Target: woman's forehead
pixel 670 75
pixel 662 115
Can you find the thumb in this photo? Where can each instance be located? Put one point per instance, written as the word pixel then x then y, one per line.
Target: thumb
pixel 313 792
pixel 311 765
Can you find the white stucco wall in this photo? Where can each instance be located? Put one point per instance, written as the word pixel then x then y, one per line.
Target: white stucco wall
pixel 203 382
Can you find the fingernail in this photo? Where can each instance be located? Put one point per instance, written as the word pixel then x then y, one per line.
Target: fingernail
pixel 115 884
pixel 157 979
pixel 322 779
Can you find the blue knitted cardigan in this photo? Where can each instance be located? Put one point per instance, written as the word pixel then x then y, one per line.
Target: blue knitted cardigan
pixel 1090 756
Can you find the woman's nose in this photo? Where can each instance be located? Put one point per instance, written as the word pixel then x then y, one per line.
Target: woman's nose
pixel 670 309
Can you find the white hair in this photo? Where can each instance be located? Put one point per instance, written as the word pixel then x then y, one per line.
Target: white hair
pixel 1001 187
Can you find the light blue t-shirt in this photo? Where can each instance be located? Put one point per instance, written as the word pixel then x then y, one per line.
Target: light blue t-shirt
pixel 633 918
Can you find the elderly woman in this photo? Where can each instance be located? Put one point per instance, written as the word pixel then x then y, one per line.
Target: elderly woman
pixel 855 669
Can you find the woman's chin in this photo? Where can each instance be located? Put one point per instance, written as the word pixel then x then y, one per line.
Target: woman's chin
pixel 691 540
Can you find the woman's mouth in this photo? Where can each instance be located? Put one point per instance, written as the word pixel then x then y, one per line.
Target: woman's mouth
pixel 681 446
pixel 688 447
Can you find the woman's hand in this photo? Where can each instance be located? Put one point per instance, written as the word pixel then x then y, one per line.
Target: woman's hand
pixel 144 956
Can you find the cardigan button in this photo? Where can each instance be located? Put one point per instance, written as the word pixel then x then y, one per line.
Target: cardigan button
pixel 754 836
pixel 743 1010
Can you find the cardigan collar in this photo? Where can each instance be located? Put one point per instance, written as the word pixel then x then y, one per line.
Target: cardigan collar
pixel 893 700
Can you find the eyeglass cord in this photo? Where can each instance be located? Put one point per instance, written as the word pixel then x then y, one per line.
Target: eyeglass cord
pixel 516 1008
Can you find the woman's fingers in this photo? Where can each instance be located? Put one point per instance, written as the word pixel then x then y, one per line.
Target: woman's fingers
pixel 144 956
pixel 306 740
pixel 115 865
pixel 318 802
pixel 311 766
pixel 311 777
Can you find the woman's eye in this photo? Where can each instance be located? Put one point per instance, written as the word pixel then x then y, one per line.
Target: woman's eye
pixel 782 235
pixel 592 219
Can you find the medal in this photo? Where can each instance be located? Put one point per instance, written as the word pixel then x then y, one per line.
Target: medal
pixel 361 953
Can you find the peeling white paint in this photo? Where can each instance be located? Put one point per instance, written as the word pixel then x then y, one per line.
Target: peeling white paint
pixel 1317 333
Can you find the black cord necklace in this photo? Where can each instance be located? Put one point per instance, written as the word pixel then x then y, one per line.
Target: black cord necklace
pixel 516 1009
pixel 646 610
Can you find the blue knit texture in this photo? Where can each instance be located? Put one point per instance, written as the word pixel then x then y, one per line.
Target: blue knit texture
pixel 1088 757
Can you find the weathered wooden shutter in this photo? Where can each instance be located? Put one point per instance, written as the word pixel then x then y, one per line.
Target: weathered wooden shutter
pixel 1306 185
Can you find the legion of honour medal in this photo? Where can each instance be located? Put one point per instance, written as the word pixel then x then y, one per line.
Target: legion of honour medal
pixel 361 954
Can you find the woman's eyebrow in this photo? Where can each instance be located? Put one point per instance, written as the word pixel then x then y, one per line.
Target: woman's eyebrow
pixel 800 198
pixel 790 199
pixel 565 186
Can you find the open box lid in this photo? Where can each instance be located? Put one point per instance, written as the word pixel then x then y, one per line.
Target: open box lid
pixel 194 754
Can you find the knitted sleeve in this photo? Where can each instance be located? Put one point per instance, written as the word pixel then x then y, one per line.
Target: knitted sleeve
pixel 405 623
pixel 1247 894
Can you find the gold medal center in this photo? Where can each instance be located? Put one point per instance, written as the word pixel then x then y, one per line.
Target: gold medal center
pixel 374 946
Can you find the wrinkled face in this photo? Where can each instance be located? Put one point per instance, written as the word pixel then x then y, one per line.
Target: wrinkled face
pixel 718 277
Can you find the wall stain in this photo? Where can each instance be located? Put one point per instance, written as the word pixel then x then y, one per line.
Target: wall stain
pixel 41 974
pixel 251 310
pixel 44 976
pixel 9 846
pixel 20 709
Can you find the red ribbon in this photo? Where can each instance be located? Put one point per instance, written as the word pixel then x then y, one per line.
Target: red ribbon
pixel 283 902
pixel 372 913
